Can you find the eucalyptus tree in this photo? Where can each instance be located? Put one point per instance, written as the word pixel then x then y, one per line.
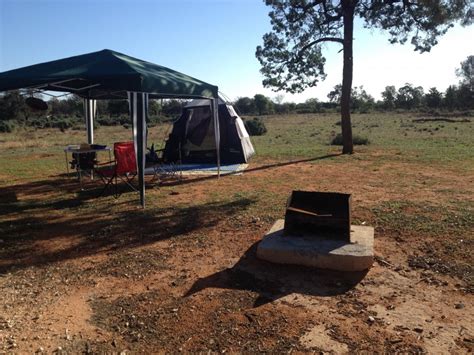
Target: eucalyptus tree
pixel 433 98
pixel 389 96
pixel 465 92
pixel 466 72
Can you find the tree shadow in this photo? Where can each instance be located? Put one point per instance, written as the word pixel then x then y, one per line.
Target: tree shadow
pixel 66 186
pixel 86 235
pixel 26 221
pixel 68 183
pixel 251 170
pixel 273 281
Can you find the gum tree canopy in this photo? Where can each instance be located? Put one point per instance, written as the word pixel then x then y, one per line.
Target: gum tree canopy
pixel 291 55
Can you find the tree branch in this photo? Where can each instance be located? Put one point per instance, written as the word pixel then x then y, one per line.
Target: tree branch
pixel 310 5
pixel 329 17
pixel 307 7
pixel 319 40
pixel 377 5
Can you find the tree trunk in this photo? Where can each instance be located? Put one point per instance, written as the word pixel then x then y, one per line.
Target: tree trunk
pixel 348 18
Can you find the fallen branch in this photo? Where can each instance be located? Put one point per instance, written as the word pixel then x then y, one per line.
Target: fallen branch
pixel 382 261
pixel 440 120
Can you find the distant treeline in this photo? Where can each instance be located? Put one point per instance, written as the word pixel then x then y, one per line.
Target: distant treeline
pixel 69 112
pixel 407 97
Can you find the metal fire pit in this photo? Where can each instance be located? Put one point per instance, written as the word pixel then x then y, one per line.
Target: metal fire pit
pixel 319 214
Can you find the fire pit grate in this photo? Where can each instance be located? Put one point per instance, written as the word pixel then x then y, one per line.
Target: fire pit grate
pixel 319 215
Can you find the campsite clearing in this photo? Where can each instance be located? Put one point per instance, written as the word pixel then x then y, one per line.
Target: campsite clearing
pixel 100 274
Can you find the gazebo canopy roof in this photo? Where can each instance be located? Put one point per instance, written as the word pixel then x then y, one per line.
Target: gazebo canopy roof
pixel 106 74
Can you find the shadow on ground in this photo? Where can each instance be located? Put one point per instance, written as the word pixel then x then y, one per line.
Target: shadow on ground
pixel 274 281
pixel 67 183
pixel 82 229
pixel 83 235
pixel 251 170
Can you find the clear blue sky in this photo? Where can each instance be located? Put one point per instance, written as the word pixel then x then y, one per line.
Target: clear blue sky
pixel 213 40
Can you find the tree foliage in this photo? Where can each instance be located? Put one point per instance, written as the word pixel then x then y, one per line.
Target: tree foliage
pixel 466 72
pixel 117 107
pixel 263 104
pixel 409 96
pixel 335 94
pixel 11 106
pixel 70 106
pixel 450 97
pixel 389 95
pixel 245 105
pixel 465 91
pixel 67 112
pixel 291 55
pixel 433 98
pixel 361 100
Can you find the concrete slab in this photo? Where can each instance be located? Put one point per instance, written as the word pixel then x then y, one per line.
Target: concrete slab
pixel 357 255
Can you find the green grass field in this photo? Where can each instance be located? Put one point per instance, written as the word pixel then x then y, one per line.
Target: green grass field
pixel 429 142
pixel 394 136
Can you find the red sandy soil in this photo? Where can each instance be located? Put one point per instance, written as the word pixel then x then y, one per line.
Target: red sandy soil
pixel 113 278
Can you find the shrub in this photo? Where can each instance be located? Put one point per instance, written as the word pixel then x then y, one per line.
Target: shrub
pixel 106 121
pixel 79 127
pixel 255 127
pixel 364 109
pixel 62 123
pixel 113 120
pixel 7 126
pixel 304 110
pixel 357 140
pixel 38 122
pixel 124 119
pixel 154 120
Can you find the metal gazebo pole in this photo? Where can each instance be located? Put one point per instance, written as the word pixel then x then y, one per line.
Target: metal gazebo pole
pixel 217 133
pixel 138 110
pixel 89 113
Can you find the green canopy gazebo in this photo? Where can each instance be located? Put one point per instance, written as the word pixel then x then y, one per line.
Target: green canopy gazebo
pixel 108 74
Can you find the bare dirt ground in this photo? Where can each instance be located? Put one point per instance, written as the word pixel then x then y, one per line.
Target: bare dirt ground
pixel 81 274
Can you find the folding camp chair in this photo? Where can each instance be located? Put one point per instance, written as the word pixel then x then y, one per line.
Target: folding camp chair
pixel 163 170
pixel 124 167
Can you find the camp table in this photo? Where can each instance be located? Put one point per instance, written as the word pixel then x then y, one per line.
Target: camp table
pixel 75 148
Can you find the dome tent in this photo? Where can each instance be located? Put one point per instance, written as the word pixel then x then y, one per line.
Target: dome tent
pixel 192 137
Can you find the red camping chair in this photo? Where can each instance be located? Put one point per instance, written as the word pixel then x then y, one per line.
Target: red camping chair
pixel 124 167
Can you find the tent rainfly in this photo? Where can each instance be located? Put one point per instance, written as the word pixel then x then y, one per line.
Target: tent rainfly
pixel 108 74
